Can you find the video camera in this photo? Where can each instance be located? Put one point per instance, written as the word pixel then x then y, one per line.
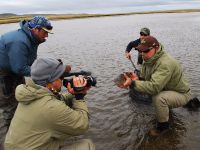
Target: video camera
pixel 91 81
pixel 84 73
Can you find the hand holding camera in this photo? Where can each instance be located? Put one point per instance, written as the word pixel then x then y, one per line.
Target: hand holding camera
pixel 78 87
pixel 79 84
pixel 91 81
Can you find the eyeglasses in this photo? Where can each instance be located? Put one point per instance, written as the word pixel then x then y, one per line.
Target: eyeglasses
pixel 142 34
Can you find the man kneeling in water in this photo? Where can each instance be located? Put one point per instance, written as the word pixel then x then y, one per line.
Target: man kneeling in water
pixel 42 120
pixel 162 77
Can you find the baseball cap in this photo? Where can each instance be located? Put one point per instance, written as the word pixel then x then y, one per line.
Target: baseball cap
pixel 147 43
pixel 145 31
pixel 41 22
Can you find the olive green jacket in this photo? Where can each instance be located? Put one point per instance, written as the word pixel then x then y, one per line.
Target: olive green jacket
pixel 161 73
pixel 42 122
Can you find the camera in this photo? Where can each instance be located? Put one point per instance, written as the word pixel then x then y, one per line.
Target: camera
pixel 91 81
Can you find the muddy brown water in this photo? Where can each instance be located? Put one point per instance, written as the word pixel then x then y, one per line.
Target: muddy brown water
pixel 97 44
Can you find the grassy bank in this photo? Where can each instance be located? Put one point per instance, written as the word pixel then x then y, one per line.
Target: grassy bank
pixel 4 19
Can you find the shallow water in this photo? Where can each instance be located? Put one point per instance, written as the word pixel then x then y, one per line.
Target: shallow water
pixel 97 45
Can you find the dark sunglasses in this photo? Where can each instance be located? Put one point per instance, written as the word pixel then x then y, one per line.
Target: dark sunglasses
pixel 146 50
pixel 142 34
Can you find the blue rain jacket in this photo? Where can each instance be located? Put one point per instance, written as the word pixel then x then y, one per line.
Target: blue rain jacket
pixel 18 50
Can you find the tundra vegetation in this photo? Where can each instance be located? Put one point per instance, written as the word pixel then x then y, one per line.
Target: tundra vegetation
pixel 13 18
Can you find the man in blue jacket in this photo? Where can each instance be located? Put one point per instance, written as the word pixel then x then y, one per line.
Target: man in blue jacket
pixel 18 50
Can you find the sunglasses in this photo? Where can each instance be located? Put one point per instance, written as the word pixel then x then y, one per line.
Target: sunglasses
pixel 146 50
pixel 142 34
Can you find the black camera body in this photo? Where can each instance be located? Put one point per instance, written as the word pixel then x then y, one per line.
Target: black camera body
pixel 91 81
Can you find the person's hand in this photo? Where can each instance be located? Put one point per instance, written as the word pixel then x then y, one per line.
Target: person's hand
pixel 127 82
pixel 129 77
pixel 79 86
pixel 67 68
pixel 132 75
pixel 128 55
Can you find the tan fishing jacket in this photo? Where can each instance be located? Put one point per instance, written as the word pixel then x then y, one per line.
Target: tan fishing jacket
pixel 42 122
pixel 161 73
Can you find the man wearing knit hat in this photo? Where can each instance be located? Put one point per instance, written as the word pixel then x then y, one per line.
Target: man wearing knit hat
pixel 18 50
pixel 42 120
pixel 162 77
pixel 133 44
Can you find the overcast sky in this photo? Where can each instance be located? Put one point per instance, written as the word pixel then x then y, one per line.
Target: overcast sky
pixel 93 6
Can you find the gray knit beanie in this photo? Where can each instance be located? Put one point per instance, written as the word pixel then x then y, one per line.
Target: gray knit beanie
pixel 46 70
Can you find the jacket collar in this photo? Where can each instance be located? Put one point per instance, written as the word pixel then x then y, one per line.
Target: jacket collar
pixel 158 54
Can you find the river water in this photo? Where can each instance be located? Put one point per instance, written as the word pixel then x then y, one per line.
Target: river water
pixel 97 44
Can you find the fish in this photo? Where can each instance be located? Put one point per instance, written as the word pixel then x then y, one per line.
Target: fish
pixel 120 79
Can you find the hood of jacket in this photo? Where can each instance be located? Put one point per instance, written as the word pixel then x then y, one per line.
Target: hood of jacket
pixel 24 26
pixel 29 92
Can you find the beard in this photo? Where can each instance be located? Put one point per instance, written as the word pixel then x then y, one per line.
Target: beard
pixel 42 40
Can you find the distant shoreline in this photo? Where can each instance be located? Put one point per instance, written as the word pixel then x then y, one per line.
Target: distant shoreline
pixel 12 18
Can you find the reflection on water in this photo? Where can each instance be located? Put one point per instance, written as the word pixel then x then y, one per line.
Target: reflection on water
pixel 98 44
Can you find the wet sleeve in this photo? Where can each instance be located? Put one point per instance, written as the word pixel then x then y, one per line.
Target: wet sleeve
pixel 18 57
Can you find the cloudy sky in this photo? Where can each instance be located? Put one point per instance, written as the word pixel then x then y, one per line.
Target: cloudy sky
pixel 93 6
